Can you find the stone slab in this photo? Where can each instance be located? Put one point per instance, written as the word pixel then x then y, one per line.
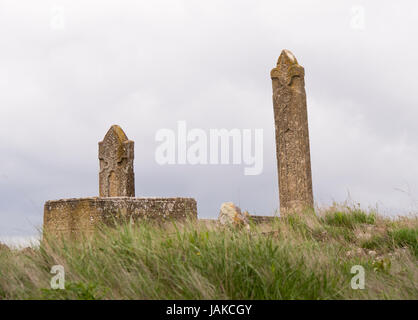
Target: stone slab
pixel 71 216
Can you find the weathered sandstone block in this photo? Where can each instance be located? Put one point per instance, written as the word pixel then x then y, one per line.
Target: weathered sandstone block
pixel 230 214
pixel 72 216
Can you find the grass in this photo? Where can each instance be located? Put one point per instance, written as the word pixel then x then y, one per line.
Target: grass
pixel 342 219
pixel 298 257
pixel 396 238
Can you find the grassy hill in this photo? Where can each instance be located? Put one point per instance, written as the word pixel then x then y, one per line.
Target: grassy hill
pixel 304 256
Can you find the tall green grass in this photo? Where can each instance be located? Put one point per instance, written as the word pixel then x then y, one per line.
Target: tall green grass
pixel 297 257
pixel 349 220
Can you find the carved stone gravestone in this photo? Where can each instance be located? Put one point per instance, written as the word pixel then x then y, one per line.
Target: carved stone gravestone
pixel 292 136
pixel 116 155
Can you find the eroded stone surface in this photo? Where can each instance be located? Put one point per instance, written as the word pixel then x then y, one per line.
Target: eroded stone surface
pixel 116 156
pixel 230 214
pixel 292 135
pixel 71 216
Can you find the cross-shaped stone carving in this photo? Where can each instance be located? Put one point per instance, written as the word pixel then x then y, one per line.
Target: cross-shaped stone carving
pixel 116 155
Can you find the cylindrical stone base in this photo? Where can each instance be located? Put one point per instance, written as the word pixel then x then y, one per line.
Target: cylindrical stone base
pixel 68 217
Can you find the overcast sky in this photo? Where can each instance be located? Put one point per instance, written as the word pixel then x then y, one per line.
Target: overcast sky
pixel 71 69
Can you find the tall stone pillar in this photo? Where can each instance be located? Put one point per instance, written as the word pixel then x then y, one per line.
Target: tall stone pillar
pixel 116 155
pixel 292 136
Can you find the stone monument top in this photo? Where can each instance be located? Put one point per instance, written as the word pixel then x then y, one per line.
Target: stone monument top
pixel 287 68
